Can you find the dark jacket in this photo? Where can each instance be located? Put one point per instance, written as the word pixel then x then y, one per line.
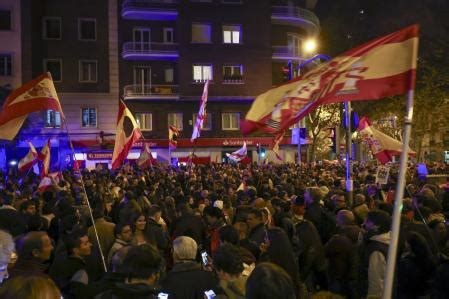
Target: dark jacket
pixel 12 221
pixel 154 230
pixel 130 291
pixel 191 226
pixel 188 280
pixel 30 266
pixel 257 234
pixel 415 277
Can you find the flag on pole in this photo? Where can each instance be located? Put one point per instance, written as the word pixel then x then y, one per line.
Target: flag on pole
pixel 47 181
pixel 275 147
pixel 29 160
pixel 201 117
pixel 36 95
pixel 239 154
pixel 380 68
pixel 146 158
pixel 44 156
pixel 383 146
pixel 127 133
pixel 173 134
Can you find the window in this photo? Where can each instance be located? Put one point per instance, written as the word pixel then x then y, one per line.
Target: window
pixel 5 64
pixel 52 28
pixel 232 73
pixel 201 33
pixel 88 71
pixel 87 29
pixel 88 117
pixel 175 119
pixel 231 34
pixel 54 66
pixel 169 75
pixel 5 20
pixel 230 121
pixel 207 125
pixel 168 36
pixel 144 121
pixel 202 73
pixel 52 119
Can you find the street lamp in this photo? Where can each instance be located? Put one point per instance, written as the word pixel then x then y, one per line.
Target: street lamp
pixel 310 46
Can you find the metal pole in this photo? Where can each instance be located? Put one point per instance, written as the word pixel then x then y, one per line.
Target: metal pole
pixel 399 193
pixel 349 182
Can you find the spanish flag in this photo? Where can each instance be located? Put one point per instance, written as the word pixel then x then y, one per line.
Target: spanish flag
pixel 29 160
pixel 380 68
pixel 44 156
pixel 173 134
pixel 36 95
pixel 127 134
pixel 146 158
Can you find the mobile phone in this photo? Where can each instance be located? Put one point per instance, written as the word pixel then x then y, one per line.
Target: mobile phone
pixel 162 296
pixel 204 258
pixel 209 294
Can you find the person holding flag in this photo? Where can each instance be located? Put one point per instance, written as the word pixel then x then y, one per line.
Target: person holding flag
pixel 127 133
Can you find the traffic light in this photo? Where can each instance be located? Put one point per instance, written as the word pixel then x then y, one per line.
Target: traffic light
pixel 262 153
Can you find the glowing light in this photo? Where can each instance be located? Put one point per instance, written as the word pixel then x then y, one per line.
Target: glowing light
pixel 310 46
pixel 13 162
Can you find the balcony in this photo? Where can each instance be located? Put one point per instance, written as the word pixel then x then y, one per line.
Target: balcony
pixel 285 53
pixel 233 79
pixel 296 16
pixel 150 51
pixel 138 91
pixel 154 10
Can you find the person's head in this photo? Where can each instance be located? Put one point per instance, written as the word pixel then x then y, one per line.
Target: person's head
pixel 339 201
pixel 28 207
pixel 377 222
pixel 254 218
pixel 34 245
pixel 143 263
pixel 228 234
pixel 345 217
pixel 30 287
pixel 139 222
pixel 184 248
pixel 6 251
pixel 155 213
pixel 298 205
pixel 242 229
pixel 123 231
pixel 213 215
pixel 228 262
pixel 359 199
pixel 118 259
pixel 439 230
pixel 77 243
pixel 313 195
pixel 268 281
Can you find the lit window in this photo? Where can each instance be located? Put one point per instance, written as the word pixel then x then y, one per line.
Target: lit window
pixel 52 119
pixel 52 28
pixel 54 66
pixel 202 72
pixel 175 119
pixel 207 125
pixel 144 121
pixel 88 117
pixel 230 121
pixel 201 33
pixel 5 64
pixel 88 71
pixel 87 29
pixel 169 75
pixel 231 34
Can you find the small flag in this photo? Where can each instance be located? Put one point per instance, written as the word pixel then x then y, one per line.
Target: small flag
pixel 239 154
pixel 29 160
pixel 47 182
pixel 36 95
pixel 146 158
pixel 173 135
pixel 44 156
pixel 201 117
pixel 127 133
pixel 275 147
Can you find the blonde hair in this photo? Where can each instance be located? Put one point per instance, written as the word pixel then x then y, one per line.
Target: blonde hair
pixel 30 287
pixel 184 248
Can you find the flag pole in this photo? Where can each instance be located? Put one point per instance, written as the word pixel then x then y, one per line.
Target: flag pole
pixel 399 193
pixel 349 182
pixel 88 203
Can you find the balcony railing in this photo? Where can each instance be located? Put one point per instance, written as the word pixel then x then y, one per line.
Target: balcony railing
pixel 286 53
pixel 150 51
pixel 139 91
pixel 292 15
pixel 155 10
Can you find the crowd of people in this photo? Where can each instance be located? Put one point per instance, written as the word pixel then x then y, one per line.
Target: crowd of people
pixel 221 231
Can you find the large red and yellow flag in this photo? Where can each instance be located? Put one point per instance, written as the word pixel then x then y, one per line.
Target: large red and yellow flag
pixel 380 68
pixel 44 156
pixel 382 146
pixel 127 134
pixel 29 160
pixel 36 95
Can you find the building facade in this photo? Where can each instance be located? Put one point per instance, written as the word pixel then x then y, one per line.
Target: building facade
pixel 156 55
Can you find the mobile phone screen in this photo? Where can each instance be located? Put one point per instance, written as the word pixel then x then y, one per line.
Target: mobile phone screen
pixel 162 296
pixel 204 258
pixel 209 294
